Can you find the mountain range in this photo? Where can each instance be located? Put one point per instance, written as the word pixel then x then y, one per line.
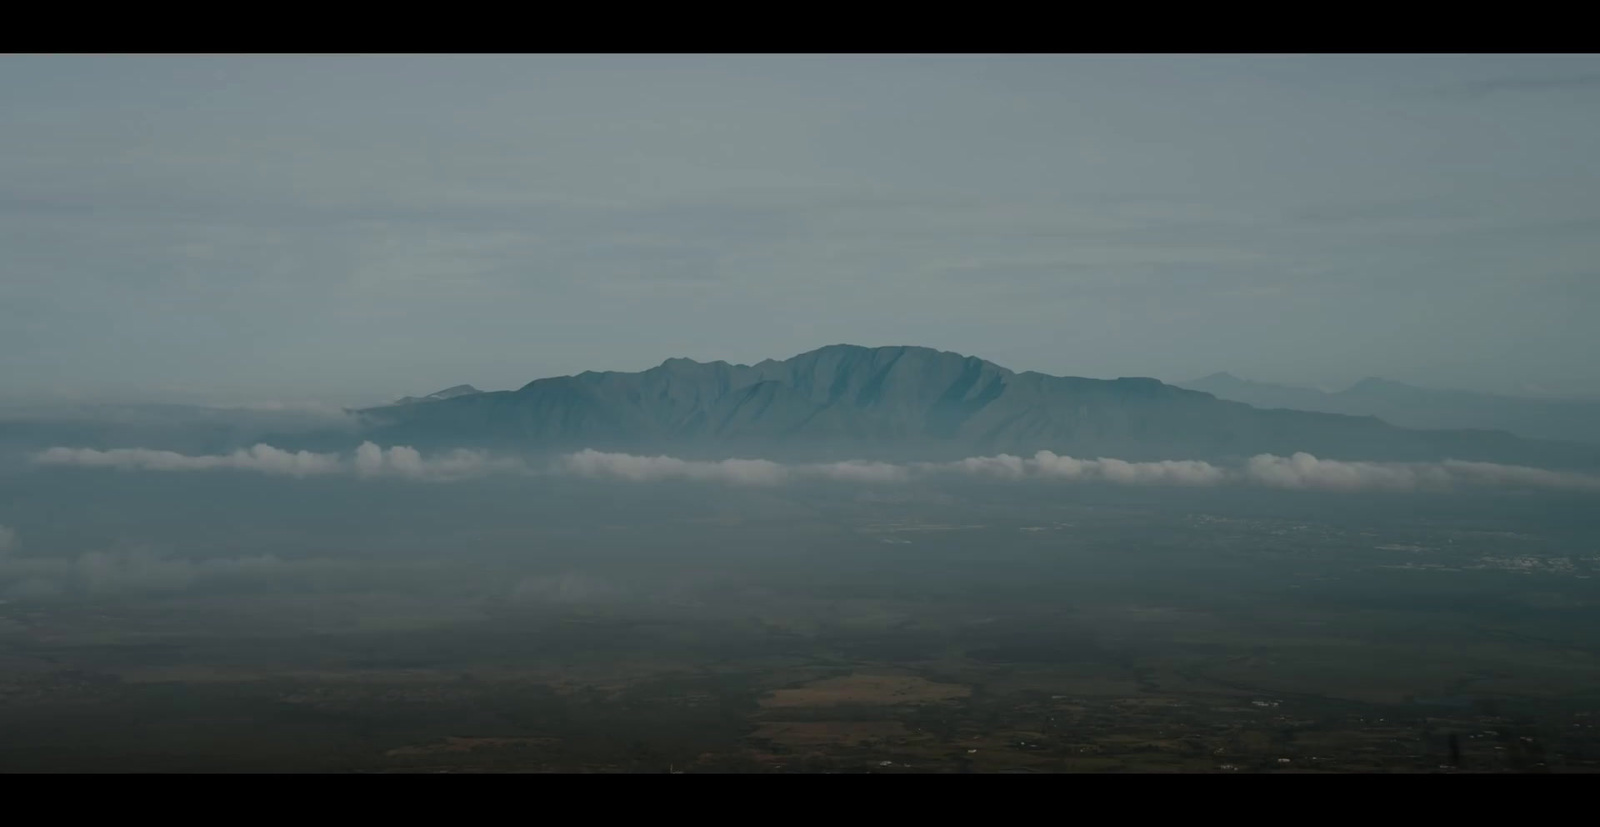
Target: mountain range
pixel 1414 407
pixel 847 401
pixel 447 393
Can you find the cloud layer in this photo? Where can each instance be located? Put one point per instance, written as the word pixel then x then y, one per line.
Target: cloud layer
pixel 369 461
pixel 263 458
pixel 1049 465
pixel 590 463
pixel 408 463
pixel 1304 471
pixel 1299 471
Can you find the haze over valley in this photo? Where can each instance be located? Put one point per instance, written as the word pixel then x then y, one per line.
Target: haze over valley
pixel 792 414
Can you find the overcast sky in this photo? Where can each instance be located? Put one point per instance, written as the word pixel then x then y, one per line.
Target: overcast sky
pixel 350 229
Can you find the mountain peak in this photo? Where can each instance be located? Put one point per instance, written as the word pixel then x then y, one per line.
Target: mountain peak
pixel 873 402
pixel 448 393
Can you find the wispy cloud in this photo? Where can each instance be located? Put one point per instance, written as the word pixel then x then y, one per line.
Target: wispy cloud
pixel 369 461
pixel 262 458
pixel 1304 471
pixel 1048 465
pixel 408 463
pixel 590 463
pixel 1299 471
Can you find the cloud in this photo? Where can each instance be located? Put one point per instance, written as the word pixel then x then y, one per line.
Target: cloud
pixel 1043 465
pixel 1297 471
pixel 1166 472
pixel 858 471
pixel 1304 471
pixel 262 458
pixel 370 460
pixel 8 539
pixel 406 462
pixel 591 463
pixel 1049 465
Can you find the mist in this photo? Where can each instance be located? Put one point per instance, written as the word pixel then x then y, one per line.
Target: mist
pixel 717 414
pixel 1299 471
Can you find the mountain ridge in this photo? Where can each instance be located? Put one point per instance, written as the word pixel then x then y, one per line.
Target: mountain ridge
pixel 448 393
pixel 1410 406
pixel 909 401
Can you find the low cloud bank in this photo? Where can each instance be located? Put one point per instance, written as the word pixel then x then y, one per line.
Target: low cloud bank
pixel 1304 471
pixel 590 463
pixel 1300 471
pixel 408 463
pixel 369 461
pixel 598 464
pixel 263 458
pixel 1047 464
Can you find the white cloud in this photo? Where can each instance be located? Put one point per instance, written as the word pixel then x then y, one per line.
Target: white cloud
pixel 859 471
pixel 370 460
pixel 1004 465
pixel 1304 471
pixel 1166 472
pixel 1298 471
pixel 263 458
pixel 590 463
pixel 1049 465
pixel 408 463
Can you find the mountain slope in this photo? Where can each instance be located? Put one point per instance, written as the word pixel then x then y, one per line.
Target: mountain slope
pixel 447 393
pixel 911 403
pixel 1413 407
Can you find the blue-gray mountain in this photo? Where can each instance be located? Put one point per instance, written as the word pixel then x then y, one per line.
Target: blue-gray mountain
pixel 912 403
pixel 447 393
pixel 1409 406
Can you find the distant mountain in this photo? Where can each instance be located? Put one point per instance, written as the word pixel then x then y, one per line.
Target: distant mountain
pixel 447 393
pixel 908 403
pixel 1409 406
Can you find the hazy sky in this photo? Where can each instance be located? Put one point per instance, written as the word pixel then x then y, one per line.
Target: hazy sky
pixel 350 229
